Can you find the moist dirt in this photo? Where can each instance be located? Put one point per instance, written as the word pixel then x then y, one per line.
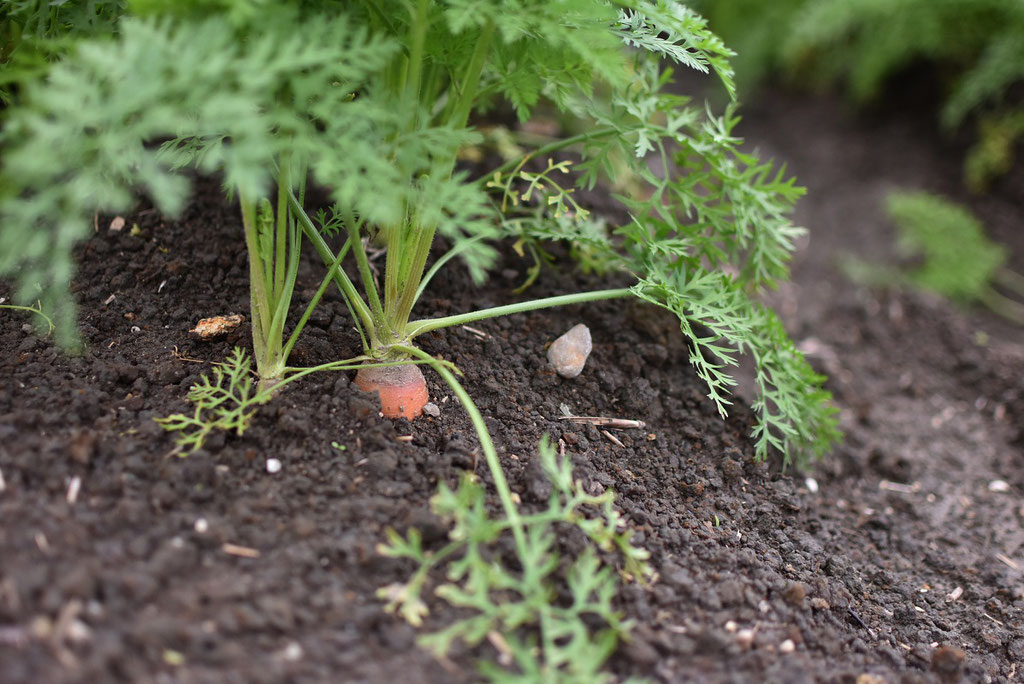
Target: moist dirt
pixel 899 558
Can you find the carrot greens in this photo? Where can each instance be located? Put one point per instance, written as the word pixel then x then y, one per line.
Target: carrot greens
pixel 373 101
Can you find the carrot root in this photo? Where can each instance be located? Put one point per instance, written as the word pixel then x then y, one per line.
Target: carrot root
pixel 402 389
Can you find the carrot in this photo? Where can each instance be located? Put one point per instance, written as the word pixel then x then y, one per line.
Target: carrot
pixel 402 389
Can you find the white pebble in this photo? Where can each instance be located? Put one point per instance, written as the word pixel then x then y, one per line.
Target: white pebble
pixel 201 525
pixel 787 646
pixel 731 626
pixel 569 353
pixel 998 486
pixel 273 465
pixel 812 485
pixel 745 637
pixel 292 652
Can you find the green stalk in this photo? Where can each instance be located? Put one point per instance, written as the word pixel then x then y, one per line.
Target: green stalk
pixel 281 230
pixel 365 273
pixel 414 72
pixel 462 104
pixel 409 285
pixel 315 301
pixel 1002 305
pixel 486 445
pixel 1011 280
pixel 284 296
pixel 348 290
pixel 259 304
pixel 444 259
pixel 416 328
pixel 411 272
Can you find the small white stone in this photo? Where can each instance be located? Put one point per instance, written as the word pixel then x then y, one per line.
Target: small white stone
pixel 292 652
pixel 787 646
pixel 812 485
pixel 273 465
pixel 568 354
pixel 731 626
pixel 998 486
pixel 745 637
pixel 201 525
pixel 78 632
pixel 431 409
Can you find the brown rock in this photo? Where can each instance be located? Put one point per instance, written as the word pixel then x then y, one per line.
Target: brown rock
pixel 948 661
pixel 794 594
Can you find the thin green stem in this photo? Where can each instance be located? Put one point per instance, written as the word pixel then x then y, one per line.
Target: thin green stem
pixel 548 149
pixel 415 328
pixel 444 259
pixel 463 102
pixel 1004 306
pixel 414 71
pixel 1011 280
pixel 408 288
pixel 487 446
pixel 365 273
pixel 37 309
pixel 281 229
pixel 259 304
pixel 348 289
pixel 315 300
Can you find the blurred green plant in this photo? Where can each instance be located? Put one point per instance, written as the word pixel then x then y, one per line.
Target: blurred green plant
pixel 945 250
pixel 977 46
pixel 34 33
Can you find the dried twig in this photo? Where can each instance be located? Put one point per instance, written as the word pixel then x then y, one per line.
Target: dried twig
pixel 600 421
pixel 241 551
pixel 1009 562
pixel 612 438
pixel 897 487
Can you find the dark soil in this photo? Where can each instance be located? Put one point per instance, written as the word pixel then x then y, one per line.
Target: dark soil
pixel 898 559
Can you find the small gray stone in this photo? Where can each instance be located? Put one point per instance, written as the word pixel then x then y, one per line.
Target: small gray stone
pixel 432 409
pixel 568 354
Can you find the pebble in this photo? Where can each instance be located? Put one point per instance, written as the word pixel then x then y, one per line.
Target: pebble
pixel 998 486
pixel 787 646
pixel 812 485
pixel 745 637
pixel 794 594
pixel 948 660
pixel 273 465
pixel 868 678
pixel 431 409
pixel 292 652
pixel 568 354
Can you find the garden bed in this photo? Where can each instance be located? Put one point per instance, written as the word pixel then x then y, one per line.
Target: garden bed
pixel 902 557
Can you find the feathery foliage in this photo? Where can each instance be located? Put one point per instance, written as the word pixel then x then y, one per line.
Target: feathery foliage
pixel 533 616
pixel 372 100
